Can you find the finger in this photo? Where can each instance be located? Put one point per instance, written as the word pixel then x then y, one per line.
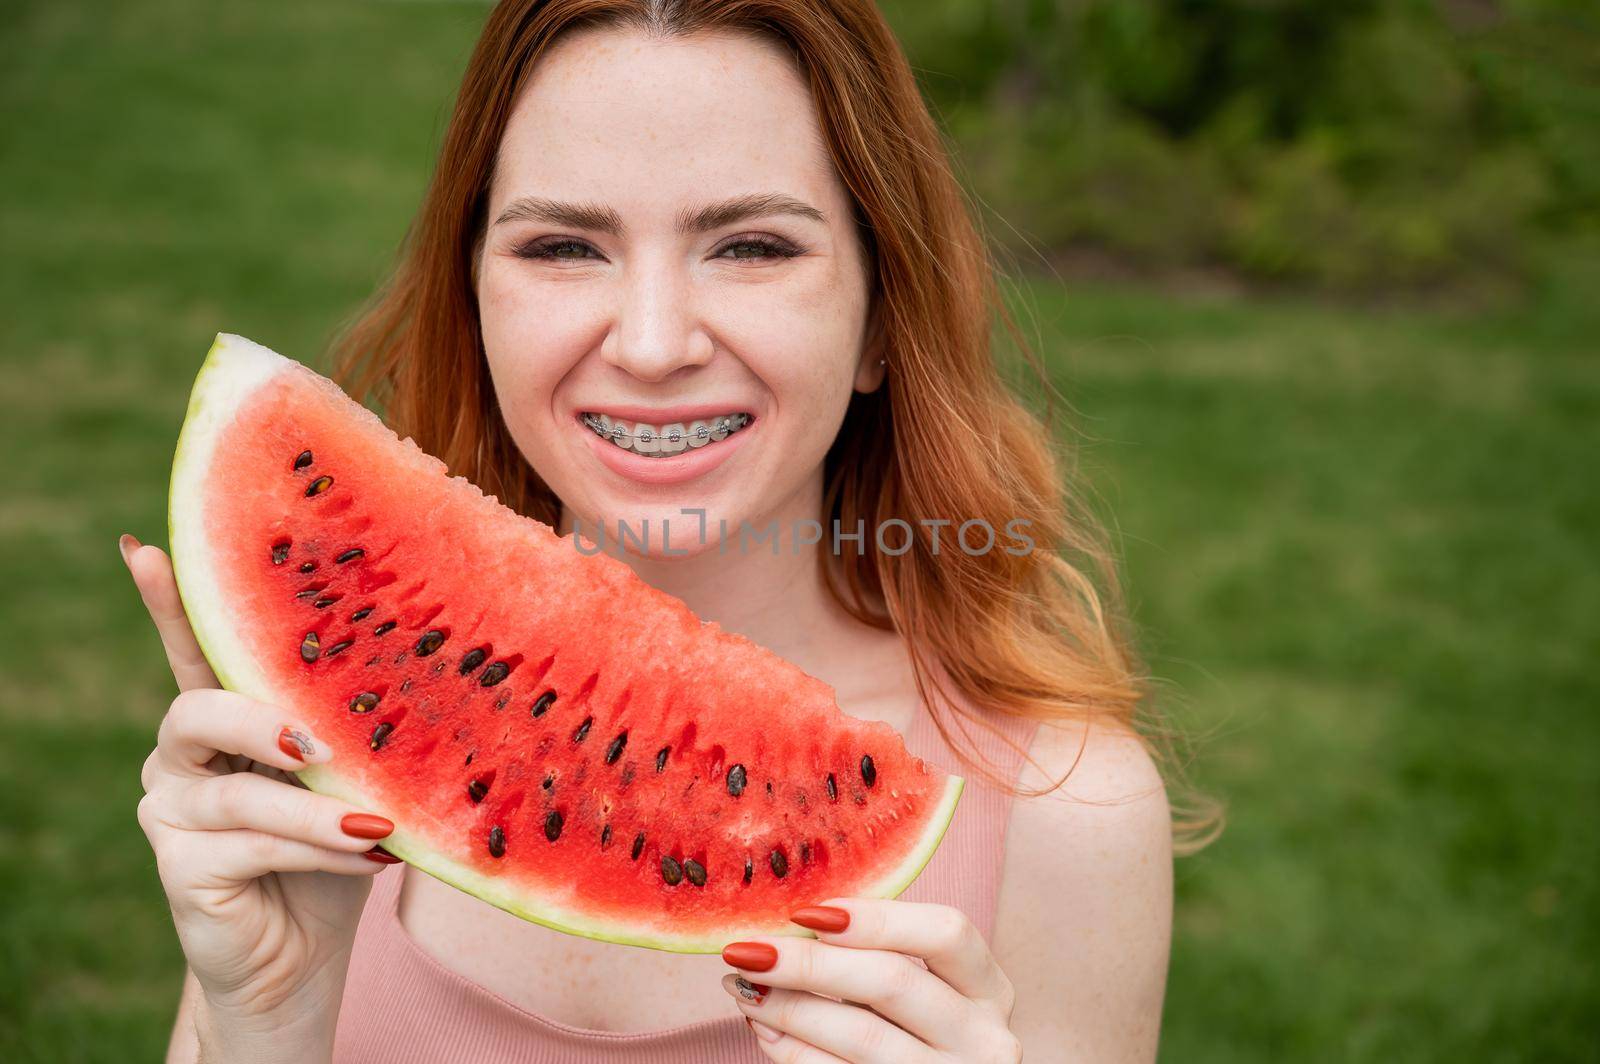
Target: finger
pixel 248 800
pixel 152 574
pixel 941 935
pixel 202 723
pixel 214 860
pixel 787 1049
pixel 831 1026
pixel 890 983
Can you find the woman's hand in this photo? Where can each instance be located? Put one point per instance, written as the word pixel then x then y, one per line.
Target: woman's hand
pixel 858 993
pixel 266 880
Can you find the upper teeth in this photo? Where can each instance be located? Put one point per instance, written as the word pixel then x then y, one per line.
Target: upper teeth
pixel 645 438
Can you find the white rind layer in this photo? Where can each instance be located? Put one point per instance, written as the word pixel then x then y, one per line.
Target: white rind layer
pixel 234 369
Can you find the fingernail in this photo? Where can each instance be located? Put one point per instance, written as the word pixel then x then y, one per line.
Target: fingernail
pixel 379 854
pixel 763 1032
pixel 754 993
pixel 366 826
pixel 822 918
pixel 127 545
pixel 751 956
pixel 296 744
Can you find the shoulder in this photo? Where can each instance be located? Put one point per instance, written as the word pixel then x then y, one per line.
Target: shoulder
pixel 1109 789
pixel 1084 914
pixel 1103 837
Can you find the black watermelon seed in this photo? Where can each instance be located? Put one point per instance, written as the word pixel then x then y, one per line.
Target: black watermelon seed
pixel 695 871
pixel 309 647
pixel 583 730
pixel 805 853
pixel 552 825
pixel 280 553
pixel 302 460
pixel 614 751
pixel 832 787
pixel 431 641
pixel 306 567
pixel 360 615
pixel 380 735
pixel 661 758
pixel 543 703
pixel 350 555
pixel 736 780
pixel 779 863
pixel 472 659
pixel 325 602
pixel 314 589
pixel 605 836
pixel 671 871
pixel 470 754
pixel 385 628
pixel 638 846
pixel 339 648
pixel 477 790
pixel 869 774
pixel 365 702
pixel 494 674
pixel 749 869
pixel 549 781
pixel 318 486
pixel 497 842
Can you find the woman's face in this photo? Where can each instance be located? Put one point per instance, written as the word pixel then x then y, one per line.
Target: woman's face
pixel 670 255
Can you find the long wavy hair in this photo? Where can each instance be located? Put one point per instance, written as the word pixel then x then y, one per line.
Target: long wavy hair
pixel 1040 635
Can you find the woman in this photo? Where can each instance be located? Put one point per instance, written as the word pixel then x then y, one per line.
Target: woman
pixel 647 212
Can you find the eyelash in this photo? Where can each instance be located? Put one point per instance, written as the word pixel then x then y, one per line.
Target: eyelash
pixel 543 249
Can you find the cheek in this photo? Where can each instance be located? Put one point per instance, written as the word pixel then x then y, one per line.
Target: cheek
pixel 532 336
pixel 802 340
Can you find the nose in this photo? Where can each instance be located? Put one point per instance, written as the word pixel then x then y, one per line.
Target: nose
pixel 655 330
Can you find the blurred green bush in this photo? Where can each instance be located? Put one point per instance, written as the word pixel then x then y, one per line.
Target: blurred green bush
pixel 1342 144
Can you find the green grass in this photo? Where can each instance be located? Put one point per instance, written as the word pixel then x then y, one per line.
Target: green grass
pixel 1362 546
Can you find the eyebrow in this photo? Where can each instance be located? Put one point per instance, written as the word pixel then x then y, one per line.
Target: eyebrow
pixel 605 220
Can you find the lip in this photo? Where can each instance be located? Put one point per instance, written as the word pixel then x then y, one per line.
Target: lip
pixel 665 415
pixel 688 465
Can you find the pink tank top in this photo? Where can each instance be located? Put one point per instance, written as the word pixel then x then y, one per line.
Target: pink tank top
pixel 401 1006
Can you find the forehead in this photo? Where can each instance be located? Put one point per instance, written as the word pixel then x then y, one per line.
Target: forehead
pixel 641 122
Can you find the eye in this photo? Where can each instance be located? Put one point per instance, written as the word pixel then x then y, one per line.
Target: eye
pixel 757 248
pixel 560 249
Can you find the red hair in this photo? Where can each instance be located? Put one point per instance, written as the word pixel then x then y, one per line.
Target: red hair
pixel 1037 635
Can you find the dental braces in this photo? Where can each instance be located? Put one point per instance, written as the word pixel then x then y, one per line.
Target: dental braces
pixel 725 425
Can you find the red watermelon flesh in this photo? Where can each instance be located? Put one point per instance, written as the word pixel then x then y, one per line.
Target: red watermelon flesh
pixel 548 732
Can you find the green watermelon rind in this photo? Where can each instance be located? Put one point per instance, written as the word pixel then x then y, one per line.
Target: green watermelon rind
pixel 233 369
pixel 417 853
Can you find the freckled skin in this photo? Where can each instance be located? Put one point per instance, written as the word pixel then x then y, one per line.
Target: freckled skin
pixel 649 128
pixel 661 318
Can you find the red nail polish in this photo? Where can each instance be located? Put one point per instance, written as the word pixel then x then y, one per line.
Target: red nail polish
pixel 296 744
pixel 751 956
pixel 366 826
pixel 822 918
pixel 381 856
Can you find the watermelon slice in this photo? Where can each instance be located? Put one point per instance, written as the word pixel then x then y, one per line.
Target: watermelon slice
pixel 549 733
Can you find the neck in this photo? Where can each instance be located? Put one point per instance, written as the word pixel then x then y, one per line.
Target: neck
pixel 777 599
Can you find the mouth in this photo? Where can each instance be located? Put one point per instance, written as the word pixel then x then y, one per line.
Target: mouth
pixel 669 440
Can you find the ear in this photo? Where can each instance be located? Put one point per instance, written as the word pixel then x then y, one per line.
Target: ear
pixel 871 369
